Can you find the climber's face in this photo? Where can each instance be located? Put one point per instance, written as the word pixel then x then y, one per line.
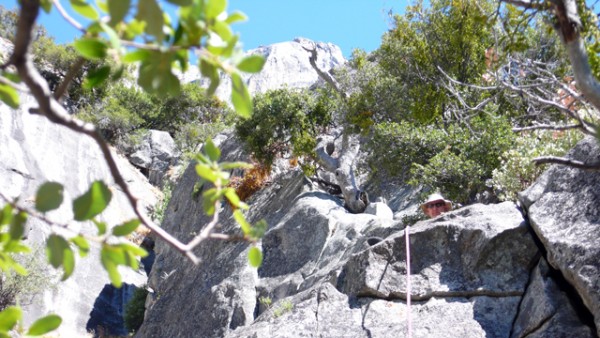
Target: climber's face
pixel 435 208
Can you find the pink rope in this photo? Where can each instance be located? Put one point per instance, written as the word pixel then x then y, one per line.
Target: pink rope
pixel 408 291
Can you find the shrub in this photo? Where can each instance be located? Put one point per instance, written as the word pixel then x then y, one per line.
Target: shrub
pixel 252 181
pixel 517 170
pixel 284 121
pixel 135 308
pixel 457 160
pixel 15 288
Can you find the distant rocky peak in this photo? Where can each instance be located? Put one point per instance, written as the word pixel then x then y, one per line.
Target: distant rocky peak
pixel 286 65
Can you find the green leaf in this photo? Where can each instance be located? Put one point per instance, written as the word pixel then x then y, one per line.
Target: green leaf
pixel 232 197
pixel 223 30
pixel 102 5
pixel 251 64
pixel 107 259
pixel 101 227
pixel 235 165
pixel 9 318
pixel 209 70
pixel 212 150
pixel 6 215
pixel 156 75
pixel 96 77
pixel 135 56
pixel 206 172
pixel 215 7
pixel 126 228
pixel 113 37
pixel 209 197
pixel 240 97
pixel 239 217
pixel 46 5
pixel 49 196
pixel 133 249
pixel 82 244
pixel 255 257
pixel 150 12
pixel 68 262
pixel 91 48
pixel 17 226
pixel 55 250
pixel 9 95
pixel 93 202
pixel 44 325
pixel 259 229
pixel 181 2
pixel 118 9
pixel 59 253
pixel 85 9
pixel 236 17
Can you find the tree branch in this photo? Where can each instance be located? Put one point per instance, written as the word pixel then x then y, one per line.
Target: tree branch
pixel 66 82
pixel 51 109
pixel 568 162
pixel 547 127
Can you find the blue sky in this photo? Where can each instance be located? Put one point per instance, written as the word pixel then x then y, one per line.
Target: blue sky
pixel 347 23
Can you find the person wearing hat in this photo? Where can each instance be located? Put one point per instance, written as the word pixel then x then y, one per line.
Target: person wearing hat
pixel 435 205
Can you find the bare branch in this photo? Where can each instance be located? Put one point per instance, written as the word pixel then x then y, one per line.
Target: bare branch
pixel 51 109
pixel 547 127
pixel 66 82
pixel 527 4
pixel 17 86
pixel 324 75
pixel 568 162
pixel 67 17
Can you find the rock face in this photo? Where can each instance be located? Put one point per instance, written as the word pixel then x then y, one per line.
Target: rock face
pixel 286 65
pixel 563 210
pixel 34 151
pixel 475 272
pixel 156 154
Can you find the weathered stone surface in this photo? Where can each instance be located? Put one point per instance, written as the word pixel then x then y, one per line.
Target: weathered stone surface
pixel 34 151
pixel 546 311
pixel 479 250
pixel 325 312
pixel 157 153
pixel 563 210
pixel 380 210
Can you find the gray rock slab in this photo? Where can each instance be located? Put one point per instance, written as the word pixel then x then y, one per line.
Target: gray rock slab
pixel 479 250
pixel 563 210
pixel 546 311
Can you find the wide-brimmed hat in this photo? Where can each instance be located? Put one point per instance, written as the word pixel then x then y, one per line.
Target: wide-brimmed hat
pixel 436 198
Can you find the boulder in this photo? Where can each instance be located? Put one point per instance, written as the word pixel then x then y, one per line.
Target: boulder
pixel 156 154
pixel 562 207
pixel 546 310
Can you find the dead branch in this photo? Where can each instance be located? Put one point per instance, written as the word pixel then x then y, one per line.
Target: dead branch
pixel 568 162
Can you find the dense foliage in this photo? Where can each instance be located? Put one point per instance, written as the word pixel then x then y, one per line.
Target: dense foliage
pixel 134 310
pixel 285 121
pixel 191 117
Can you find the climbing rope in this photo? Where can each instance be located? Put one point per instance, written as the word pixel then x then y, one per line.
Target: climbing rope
pixel 408 291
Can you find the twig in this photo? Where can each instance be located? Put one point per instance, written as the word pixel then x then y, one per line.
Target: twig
pixel 67 17
pixel 568 162
pixel 547 127
pixel 64 85
pixel 17 86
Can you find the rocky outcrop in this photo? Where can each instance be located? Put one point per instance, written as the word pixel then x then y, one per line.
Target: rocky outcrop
pixel 34 151
pixel 475 272
pixel 286 65
pixel 563 210
pixel 155 155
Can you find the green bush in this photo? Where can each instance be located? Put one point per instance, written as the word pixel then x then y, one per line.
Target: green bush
pixel 285 121
pixel 517 170
pixel 135 308
pixel 15 288
pixel 455 159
